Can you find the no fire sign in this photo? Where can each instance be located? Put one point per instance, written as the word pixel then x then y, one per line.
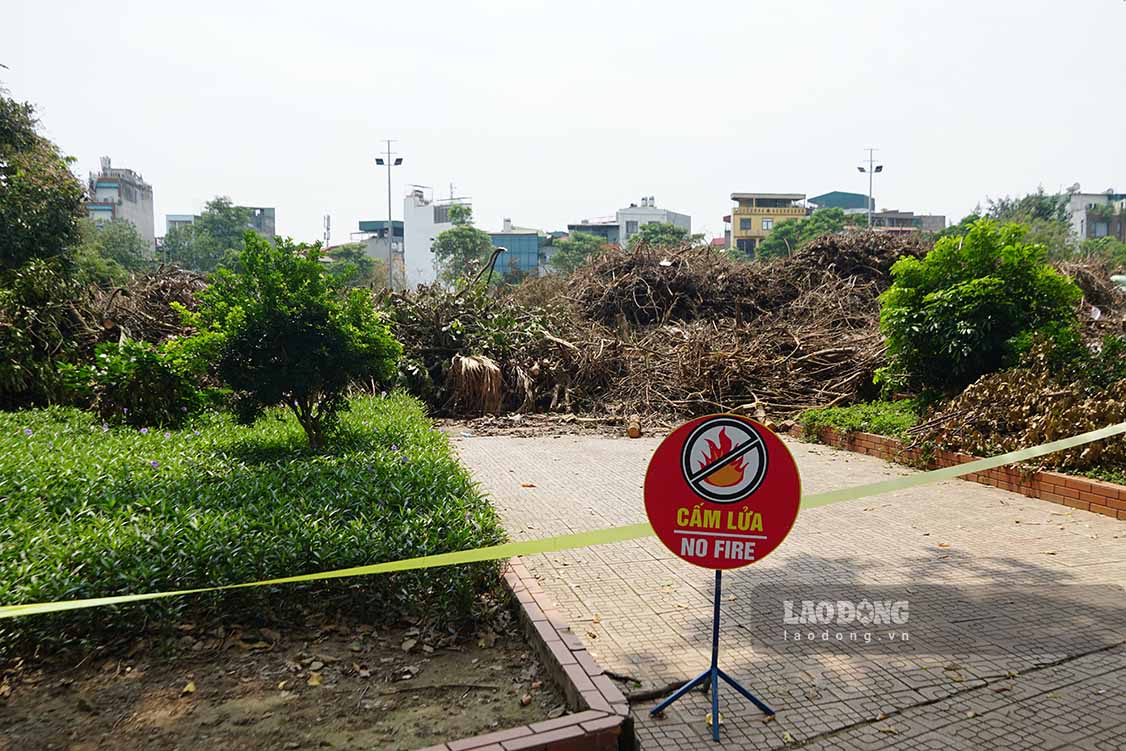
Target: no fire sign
pixel 722 491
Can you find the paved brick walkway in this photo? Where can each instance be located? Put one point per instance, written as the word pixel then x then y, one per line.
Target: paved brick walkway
pixel 1017 616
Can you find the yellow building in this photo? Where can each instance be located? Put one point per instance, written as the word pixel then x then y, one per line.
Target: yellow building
pixel 756 214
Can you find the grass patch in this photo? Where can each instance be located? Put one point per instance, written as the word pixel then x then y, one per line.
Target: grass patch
pixel 1116 475
pixel 89 510
pixel 891 419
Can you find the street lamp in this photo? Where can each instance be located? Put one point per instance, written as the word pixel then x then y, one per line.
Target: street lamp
pixel 872 169
pixel 389 160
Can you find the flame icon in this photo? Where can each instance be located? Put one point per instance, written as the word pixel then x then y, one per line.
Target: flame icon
pixel 726 476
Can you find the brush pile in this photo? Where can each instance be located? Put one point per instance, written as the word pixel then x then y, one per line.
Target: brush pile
pixel 701 333
pixel 666 331
pixel 1034 404
pixel 140 310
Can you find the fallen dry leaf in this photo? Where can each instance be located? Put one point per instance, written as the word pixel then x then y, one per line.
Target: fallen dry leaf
pixel 525 700
pixel 596 619
pixel 314 679
pixel 408 644
pixel 527 484
pixel 189 688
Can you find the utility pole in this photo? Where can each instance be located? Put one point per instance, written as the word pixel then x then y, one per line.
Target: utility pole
pixel 389 162
pixel 872 169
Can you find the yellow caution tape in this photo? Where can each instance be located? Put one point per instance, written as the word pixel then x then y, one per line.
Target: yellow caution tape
pixel 583 539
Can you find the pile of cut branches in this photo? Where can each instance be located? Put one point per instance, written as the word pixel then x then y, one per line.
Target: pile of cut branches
pixel 662 331
pixel 1033 404
pixel 141 309
pixel 698 332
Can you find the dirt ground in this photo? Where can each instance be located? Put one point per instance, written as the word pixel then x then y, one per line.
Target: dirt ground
pixel 547 425
pixel 327 686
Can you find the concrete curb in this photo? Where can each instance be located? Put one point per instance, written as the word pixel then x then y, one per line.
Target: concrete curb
pixel 600 719
pixel 1095 496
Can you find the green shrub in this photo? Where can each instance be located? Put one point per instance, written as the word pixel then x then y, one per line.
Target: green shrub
pixel 134 383
pixel 883 418
pixel 285 335
pixel 949 318
pixel 38 324
pixel 91 510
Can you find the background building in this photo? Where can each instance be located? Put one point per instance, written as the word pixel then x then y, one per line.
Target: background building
pixel 117 193
pixel 755 215
pixel 527 252
pixel 839 199
pixel 627 222
pixel 262 220
pixel 906 221
pixel 373 233
pixel 605 227
pixel 1098 215
pixel 632 218
pixel 424 219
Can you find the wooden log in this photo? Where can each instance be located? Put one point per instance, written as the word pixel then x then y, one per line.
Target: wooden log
pixel 633 426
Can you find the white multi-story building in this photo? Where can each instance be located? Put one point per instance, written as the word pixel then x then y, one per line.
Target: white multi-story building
pixel 424 219
pixel 1095 215
pixel 117 193
pixel 632 218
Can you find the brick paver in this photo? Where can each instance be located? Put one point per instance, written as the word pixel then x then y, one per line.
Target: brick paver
pixel 1017 611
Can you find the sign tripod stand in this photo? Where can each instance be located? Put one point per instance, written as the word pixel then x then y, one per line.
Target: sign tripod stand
pixel 713 674
pixel 721 492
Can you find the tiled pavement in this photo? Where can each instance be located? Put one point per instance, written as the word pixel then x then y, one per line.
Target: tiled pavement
pixel 1006 649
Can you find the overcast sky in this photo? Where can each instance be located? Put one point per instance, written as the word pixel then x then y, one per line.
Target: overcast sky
pixel 548 112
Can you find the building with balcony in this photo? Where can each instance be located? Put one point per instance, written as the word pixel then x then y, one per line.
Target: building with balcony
pixel 117 193
pixel 755 215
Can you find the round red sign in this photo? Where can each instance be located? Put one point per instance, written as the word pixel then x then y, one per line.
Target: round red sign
pixel 722 491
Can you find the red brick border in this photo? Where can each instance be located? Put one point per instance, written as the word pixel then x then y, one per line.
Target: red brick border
pixel 1096 496
pixel 600 721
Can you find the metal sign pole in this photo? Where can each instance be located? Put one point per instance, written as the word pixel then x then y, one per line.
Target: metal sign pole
pixel 713 674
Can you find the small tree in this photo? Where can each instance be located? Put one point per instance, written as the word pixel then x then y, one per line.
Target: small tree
pixel 789 235
pixel 661 235
pixel 122 243
pixel 283 333
pixel 576 250
pixel 950 318
pixel 352 267
pixel 461 250
pixel 208 242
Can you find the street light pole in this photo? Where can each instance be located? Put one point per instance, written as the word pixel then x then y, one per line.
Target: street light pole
pixel 390 236
pixel 873 168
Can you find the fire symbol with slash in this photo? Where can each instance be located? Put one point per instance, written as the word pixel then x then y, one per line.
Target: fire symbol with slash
pixel 724 459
